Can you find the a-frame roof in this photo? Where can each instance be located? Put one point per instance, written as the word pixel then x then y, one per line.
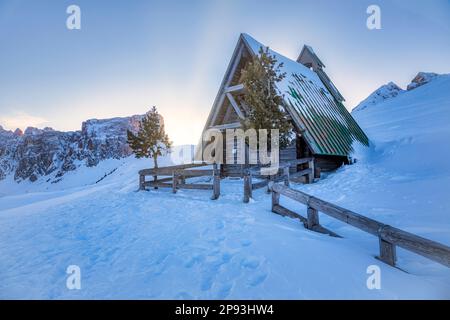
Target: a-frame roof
pixel 324 122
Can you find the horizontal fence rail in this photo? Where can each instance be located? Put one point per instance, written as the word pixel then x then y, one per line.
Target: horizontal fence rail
pixel 177 178
pixel 389 237
pixel 167 171
pixel 282 175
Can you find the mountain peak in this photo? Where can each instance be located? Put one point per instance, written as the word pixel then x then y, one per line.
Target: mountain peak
pixel 385 92
pixel 420 79
pixel 32 131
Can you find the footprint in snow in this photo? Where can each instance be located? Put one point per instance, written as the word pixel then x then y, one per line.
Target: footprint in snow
pixel 217 240
pixel 224 291
pixel 183 296
pixel 193 260
pixel 206 283
pixel 250 263
pixel 257 279
pixel 220 225
pixel 212 268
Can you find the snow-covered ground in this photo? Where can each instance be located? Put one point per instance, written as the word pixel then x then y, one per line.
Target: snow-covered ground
pixel 158 245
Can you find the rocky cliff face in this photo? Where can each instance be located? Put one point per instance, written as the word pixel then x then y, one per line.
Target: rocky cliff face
pixel 49 154
pixel 421 79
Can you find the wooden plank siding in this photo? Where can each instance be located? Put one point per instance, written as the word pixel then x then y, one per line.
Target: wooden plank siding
pixel 288 154
pixel 329 163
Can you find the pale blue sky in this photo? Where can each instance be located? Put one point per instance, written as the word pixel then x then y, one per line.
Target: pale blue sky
pixel 131 54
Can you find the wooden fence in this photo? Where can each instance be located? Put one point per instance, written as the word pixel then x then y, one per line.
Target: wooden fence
pixel 282 174
pixel 177 176
pixel 389 237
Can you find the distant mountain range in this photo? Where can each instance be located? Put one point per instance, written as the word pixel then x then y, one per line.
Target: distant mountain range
pixel 49 154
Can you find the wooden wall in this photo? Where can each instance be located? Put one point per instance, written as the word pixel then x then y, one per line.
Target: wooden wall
pixel 329 163
pixel 236 170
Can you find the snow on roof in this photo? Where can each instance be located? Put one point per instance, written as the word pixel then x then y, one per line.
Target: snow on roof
pixel 289 66
pixel 327 126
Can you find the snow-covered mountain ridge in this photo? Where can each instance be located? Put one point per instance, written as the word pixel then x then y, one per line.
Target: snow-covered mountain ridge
pixel 49 154
pixel 392 90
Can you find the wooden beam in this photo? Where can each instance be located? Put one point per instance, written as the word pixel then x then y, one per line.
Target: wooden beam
pixel 301 173
pixel 195 173
pixel 236 88
pixel 217 108
pixel 276 208
pixel 311 175
pixel 216 182
pixel 313 218
pixel 195 186
pixel 260 184
pixel 148 183
pixel 286 176
pixel 159 184
pixel 168 171
pixel 174 182
pixel 388 252
pixel 233 125
pixel 245 107
pixel 141 182
pixel 299 161
pixel 247 186
pixel 275 200
pixel 226 82
pixel 235 106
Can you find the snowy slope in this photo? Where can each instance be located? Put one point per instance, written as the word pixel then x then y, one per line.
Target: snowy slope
pixel 411 132
pixel 158 245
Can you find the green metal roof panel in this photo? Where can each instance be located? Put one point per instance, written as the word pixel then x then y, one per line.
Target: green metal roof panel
pixel 327 126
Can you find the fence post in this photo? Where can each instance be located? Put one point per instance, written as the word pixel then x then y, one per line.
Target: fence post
pixel 311 174
pixel 141 182
pixel 286 176
pixel 216 183
pixel 155 178
pixel 388 251
pixel 271 179
pixel 313 218
pixel 174 182
pixel 275 199
pixel 247 186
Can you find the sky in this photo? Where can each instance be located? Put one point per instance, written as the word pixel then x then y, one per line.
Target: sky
pixel 130 54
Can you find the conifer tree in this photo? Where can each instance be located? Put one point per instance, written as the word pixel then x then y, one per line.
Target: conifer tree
pixel 151 141
pixel 263 99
